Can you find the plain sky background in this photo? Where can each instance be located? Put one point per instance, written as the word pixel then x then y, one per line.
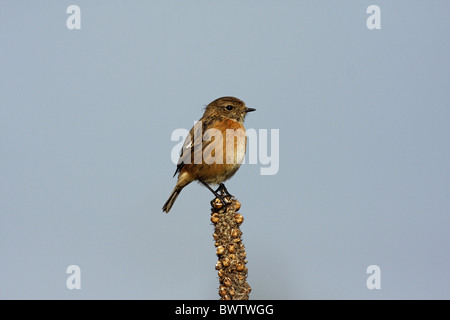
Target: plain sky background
pixel 86 118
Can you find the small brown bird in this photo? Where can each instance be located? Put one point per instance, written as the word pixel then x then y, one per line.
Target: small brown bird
pixel 214 149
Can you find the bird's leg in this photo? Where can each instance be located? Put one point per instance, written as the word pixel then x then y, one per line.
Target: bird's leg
pixel 214 192
pixel 219 189
pixel 223 190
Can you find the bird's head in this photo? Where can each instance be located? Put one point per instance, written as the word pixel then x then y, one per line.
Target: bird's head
pixel 228 107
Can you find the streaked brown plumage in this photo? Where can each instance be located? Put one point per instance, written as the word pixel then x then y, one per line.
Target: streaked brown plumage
pixel 204 155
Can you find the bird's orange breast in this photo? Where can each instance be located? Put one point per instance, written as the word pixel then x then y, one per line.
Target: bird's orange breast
pixel 224 155
pixel 233 143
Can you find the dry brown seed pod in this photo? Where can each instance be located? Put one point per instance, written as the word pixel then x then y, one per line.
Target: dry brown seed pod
pixel 227 282
pixel 220 273
pixel 220 250
pixel 231 292
pixel 215 236
pixel 240 266
pixel 215 218
pixel 232 256
pixel 239 218
pixel 222 291
pixel 217 203
pixel 218 265
pixel 226 297
pixel 226 262
pixel 237 205
pixel 237 240
pixel 235 233
pixel 231 248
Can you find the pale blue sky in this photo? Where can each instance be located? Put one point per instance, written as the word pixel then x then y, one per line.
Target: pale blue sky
pixel 86 118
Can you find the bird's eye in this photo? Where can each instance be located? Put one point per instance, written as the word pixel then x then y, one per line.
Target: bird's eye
pixel 229 107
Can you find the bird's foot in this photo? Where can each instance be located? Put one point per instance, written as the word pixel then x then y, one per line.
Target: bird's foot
pixel 223 191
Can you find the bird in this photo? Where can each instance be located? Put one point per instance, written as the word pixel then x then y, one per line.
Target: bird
pixel 214 148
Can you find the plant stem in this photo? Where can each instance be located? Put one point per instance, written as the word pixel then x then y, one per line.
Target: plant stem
pixel 230 250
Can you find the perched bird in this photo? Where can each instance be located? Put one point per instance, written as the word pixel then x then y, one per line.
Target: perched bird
pixel 214 149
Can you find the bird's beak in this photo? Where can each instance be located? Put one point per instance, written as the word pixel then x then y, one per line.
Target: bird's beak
pixel 250 110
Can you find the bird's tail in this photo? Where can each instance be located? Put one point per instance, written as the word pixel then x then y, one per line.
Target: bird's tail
pixel 173 196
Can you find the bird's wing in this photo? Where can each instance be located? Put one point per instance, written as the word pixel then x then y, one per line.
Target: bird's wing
pixel 194 144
